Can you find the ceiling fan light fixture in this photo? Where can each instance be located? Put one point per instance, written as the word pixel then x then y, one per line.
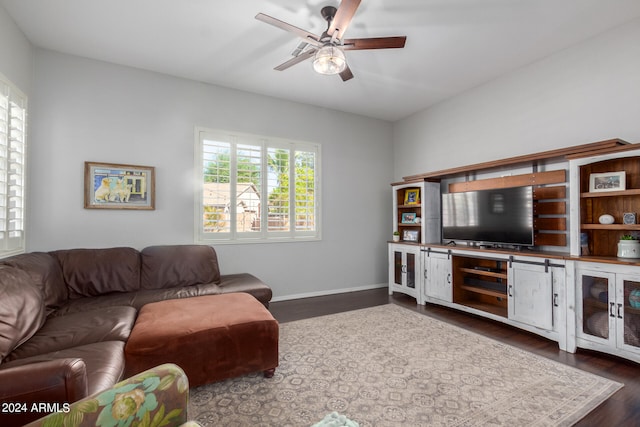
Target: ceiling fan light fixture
pixel 329 60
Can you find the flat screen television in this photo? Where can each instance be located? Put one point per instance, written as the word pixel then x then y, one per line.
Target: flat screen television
pixel 499 216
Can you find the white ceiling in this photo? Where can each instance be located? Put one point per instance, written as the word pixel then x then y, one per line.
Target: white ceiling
pixel 452 45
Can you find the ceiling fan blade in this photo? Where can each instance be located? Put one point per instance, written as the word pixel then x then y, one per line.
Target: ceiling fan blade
pixel 343 17
pixel 306 35
pixel 346 74
pixel 374 43
pixel 296 59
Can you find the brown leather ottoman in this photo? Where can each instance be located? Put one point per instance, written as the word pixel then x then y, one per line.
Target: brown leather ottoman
pixel 211 337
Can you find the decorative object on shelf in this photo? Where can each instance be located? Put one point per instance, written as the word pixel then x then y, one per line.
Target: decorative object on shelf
pixel 396 236
pixel 628 247
pixel 598 288
pixel 607 181
pixel 606 219
pixel 418 220
pixel 584 244
pixel 634 298
pixel 410 235
pixel 116 186
pixel 629 218
pixel 409 218
pixel 412 197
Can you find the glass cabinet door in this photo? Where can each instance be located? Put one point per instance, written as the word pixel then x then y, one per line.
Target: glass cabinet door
pixel 411 270
pixel 628 312
pixel 397 267
pixel 597 291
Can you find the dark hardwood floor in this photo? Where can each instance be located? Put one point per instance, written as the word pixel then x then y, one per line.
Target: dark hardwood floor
pixel 622 409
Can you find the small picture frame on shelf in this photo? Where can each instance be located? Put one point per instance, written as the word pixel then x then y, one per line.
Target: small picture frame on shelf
pixel 410 235
pixel 607 181
pixel 412 197
pixel 629 218
pixel 408 218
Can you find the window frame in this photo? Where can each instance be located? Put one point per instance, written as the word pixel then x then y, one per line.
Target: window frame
pixel 13 173
pixel 264 235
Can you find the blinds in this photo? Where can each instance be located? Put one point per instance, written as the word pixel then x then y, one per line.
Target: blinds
pixel 13 112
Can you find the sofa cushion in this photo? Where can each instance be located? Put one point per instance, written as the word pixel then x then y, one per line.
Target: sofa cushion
pixel 178 265
pixel 92 272
pixel 21 309
pixel 45 273
pixel 73 330
pixel 104 361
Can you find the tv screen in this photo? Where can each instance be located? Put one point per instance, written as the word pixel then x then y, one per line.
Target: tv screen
pixel 499 216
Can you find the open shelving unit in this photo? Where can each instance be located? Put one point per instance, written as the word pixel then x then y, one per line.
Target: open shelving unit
pixel 603 238
pixel 481 284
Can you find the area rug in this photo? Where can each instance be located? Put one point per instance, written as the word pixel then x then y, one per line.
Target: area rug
pixel 390 366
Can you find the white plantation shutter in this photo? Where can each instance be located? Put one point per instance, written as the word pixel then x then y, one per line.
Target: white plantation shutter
pixel 255 188
pixel 13 115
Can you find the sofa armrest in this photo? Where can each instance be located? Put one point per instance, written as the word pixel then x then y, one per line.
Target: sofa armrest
pixel 29 391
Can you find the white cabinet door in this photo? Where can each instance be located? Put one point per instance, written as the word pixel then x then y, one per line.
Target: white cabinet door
pixel 437 276
pixel 595 317
pixel 530 294
pixel 404 270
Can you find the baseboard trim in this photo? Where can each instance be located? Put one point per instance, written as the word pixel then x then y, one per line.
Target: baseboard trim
pixel 329 292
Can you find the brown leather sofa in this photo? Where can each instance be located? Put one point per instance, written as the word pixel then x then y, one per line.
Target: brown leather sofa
pixel 65 316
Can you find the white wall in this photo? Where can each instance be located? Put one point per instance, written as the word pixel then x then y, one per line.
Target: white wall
pixel 85 110
pixel 587 93
pixel 15 53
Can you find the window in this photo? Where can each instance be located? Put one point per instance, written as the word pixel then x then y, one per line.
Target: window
pixel 256 188
pixel 13 112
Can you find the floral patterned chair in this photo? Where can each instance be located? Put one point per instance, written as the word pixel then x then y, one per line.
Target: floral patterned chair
pixel 156 397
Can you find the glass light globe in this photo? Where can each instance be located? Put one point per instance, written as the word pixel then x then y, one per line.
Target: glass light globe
pixel 329 60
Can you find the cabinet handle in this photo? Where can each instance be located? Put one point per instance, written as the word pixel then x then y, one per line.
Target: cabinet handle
pixel 555 300
pixel 619 311
pixel 611 307
pixel 404 268
pixel 510 293
pixel 449 278
pixel 425 273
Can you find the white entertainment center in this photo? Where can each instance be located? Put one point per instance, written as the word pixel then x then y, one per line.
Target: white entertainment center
pixel 571 287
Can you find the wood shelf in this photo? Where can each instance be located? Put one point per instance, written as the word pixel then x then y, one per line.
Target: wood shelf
pixel 622 193
pixel 484 272
pixel 610 227
pixel 484 291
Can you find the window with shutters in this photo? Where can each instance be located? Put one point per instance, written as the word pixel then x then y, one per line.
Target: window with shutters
pixel 256 188
pixel 13 116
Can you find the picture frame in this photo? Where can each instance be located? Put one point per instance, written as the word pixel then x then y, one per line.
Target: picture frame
pixel 410 235
pixel 408 218
pixel 607 181
pixel 119 186
pixel 412 197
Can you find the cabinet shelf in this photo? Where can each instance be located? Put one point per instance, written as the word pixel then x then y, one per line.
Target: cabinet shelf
pixel 603 306
pixel 498 275
pixel 409 206
pixel 611 227
pixel 622 193
pixel 484 291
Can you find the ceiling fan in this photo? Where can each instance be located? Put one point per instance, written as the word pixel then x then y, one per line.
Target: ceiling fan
pixel 328 48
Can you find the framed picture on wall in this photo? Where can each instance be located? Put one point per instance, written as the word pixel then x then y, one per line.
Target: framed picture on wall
pixel 607 181
pixel 117 186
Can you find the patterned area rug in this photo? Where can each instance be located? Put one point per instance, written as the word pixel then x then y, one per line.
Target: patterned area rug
pixel 390 366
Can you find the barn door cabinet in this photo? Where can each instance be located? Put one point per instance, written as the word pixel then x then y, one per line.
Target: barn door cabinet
pixel 405 269
pixel 526 292
pixel 437 277
pixel 608 309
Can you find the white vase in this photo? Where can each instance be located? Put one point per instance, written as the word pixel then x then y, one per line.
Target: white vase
pixel 629 249
pixel 396 238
